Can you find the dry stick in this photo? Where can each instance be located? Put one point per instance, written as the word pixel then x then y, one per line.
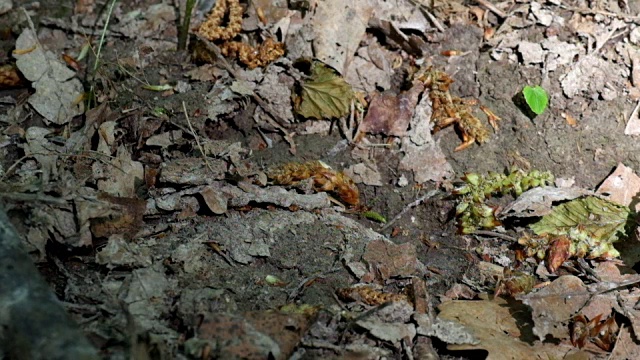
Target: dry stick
pixel 588 11
pixel 36 198
pixel 431 17
pixel 494 234
pixel 193 132
pixel 492 8
pixel 616 341
pixel 428 195
pixel 34 323
pixel 634 113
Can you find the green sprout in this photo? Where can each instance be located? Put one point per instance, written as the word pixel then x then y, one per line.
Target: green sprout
pixel 536 97
pixel 372 215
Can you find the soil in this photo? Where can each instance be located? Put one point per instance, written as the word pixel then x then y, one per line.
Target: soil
pixel 177 274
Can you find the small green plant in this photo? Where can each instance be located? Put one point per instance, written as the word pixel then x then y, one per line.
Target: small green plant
pixel 183 29
pixel 472 211
pixel 372 215
pixel 536 97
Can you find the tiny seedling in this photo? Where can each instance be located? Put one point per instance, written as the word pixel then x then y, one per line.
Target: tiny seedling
pixel 536 97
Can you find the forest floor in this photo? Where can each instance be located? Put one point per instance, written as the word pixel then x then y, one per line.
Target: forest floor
pixel 185 204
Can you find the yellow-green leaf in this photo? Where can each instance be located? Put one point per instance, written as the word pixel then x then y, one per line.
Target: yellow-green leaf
pixel 325 95
pixel 592 223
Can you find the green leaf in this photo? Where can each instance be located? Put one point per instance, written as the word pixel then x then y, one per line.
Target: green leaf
pixel 157 87
pixel 592 224
pixel 372 215
pixel 324 96
pixel 536 98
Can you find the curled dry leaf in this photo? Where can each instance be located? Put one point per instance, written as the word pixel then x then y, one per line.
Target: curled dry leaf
pixel 559 251
pixel 601 333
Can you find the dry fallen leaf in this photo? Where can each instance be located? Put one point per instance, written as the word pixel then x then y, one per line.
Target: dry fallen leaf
pixel 621 187
pixel 422 154
pixel 386 259
pixel 390 114
pixel 539 201
pixel 324 96
pixel 338 27
pixel 59 95
pixel 121 176
pixel 551 306
pixel 495 324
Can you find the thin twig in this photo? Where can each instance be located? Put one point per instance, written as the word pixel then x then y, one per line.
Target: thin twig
pixel 494 234
pixel 410 206
pixel 407 348
pixel 33 198
pixel 492 8
pixel 431 17
pixel 195 136
pixel 574 294
pixel 634 113
pixel 589 11
pixel 616 341
pixel 102 36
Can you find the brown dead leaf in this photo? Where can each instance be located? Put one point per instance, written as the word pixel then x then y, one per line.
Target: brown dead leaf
pixel 495 324
pixel 121 176
pixel 120 252
pixel 126 220
pixel 622 186
pixel 390 114
pixel 626 346
pixel 628 300
pixel 539 201
pixel 371 70
pixel 44 151
pixel 457 292
pixel 254 335
pixel 193 171
pixel 557 253
pixel 338 27
pixel 215 200
pixel 368 294
pixel 390 323
pixel 427 162
pixel 59 94
pixel 386 259
pixel 365 173
pixel 422 154
pixel 205 73
pixel 553 305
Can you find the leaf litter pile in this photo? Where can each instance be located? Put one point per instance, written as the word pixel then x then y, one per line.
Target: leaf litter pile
pixel 320 179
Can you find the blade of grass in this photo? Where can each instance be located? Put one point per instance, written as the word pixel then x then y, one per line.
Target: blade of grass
pixel 103 34
pixel 184 28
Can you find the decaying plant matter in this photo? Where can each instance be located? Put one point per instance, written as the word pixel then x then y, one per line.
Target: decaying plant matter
pixel 601 333
pixel 323 178
pixel 213 29
pixel 451 110
pixel 370 296
pixel 583 227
